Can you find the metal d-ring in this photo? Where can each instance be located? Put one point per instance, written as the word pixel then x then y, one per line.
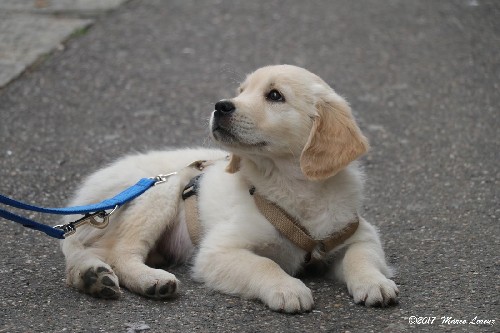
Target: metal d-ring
pixel 99 220
pixel 103 215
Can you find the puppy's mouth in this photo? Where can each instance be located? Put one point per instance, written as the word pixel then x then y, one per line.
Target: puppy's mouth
pixel 222 134
pixel 228 137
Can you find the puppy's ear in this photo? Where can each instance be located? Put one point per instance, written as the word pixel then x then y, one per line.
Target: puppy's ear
pixel 335 141
pixel 234 164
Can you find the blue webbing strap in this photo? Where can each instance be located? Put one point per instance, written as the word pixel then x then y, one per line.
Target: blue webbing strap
pixel 130 193
pixel 51 231
pixel 121 198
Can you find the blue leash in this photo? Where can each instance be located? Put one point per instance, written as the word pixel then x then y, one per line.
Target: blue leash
pixel 94 214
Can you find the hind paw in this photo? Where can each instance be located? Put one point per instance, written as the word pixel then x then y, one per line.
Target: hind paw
pixel 101 282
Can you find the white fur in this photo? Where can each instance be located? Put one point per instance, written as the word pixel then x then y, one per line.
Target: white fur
pixel 240 252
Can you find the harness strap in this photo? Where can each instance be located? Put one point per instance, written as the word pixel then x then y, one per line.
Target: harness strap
pixel 277 216
pixel 189 195
pixel 298 235
pixel 285 224
pixel 341 236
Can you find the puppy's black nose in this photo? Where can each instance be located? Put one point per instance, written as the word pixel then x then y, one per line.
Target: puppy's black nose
pixel 225 107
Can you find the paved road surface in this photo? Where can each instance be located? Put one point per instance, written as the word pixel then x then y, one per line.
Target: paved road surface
pixel 422 76
pixel 32 29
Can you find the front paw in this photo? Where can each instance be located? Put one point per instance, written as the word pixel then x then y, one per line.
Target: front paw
pixel 159 284
pixel 376 290
pixel 100 281
pixel 291 296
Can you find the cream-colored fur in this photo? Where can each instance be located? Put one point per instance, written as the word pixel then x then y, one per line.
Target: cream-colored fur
pixel 297 151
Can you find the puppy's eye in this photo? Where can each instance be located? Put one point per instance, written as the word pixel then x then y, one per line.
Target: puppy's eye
pixel 275 96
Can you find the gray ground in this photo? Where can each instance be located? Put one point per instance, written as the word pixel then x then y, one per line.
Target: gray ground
pixel 422 76
pixel 30 29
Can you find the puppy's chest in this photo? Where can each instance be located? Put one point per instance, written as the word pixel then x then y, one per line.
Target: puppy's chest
pixel 318 215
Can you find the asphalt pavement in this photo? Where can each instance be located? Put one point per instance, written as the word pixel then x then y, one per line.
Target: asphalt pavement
pixel 423 78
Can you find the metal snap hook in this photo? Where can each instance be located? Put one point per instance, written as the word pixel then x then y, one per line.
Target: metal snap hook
pixel 99 220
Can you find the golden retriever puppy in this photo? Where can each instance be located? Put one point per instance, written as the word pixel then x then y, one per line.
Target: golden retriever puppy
pixel 294 142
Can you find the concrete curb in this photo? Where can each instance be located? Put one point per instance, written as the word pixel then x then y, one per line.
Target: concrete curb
pixel 30 29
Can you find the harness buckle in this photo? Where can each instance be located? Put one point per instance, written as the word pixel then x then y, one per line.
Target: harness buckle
pixel 320 250
pixel 192 187
pixel 99 220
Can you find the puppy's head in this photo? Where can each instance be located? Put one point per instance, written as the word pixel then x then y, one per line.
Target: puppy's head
pixel 288 112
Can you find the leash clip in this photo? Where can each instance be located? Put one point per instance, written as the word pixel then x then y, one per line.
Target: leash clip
pixel 198 165
pixel 99 220
pixel 162 178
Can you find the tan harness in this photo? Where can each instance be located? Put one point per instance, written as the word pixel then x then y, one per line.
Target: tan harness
pixel 289 227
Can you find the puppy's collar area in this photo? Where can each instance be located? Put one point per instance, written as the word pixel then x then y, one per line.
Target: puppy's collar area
pixel 298 235
pixel 277 216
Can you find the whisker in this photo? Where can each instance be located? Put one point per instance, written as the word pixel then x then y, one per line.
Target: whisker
pixel 234 76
